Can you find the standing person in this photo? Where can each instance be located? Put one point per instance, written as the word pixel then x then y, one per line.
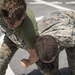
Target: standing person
pixel 20 28
pixel 57 32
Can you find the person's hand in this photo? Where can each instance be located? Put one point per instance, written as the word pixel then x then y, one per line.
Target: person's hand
pixel 32 59
pixel 25 63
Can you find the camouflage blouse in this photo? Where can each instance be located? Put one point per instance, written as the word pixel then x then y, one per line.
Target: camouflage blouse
pixel 61 25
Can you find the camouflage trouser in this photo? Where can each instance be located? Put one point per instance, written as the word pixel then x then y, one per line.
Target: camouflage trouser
pixel 48 69
pixel 71 59
pixel 7 50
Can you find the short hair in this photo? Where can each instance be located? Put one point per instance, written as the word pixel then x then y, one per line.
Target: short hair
pixel 13 9
pixel 46 48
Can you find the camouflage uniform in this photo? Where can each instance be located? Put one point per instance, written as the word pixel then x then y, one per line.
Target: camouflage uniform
pixel 9 46
pixel 51 24
pixel 61 25
pixel 23 36
pixel 6 53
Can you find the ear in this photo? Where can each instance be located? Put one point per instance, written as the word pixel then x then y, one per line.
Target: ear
pixel 24 15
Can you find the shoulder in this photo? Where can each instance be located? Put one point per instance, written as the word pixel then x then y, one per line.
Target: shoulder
pixel 29 11
pixel 30 14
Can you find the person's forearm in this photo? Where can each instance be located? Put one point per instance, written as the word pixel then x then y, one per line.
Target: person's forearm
pixel 33 56
pixel 32 59
pixel 26 63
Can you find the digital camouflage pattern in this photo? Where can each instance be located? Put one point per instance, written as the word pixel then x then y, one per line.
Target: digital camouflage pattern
pixel 10 45
pixel 7 50
pixel 12 36
pixel 61 25
pixel 23 37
